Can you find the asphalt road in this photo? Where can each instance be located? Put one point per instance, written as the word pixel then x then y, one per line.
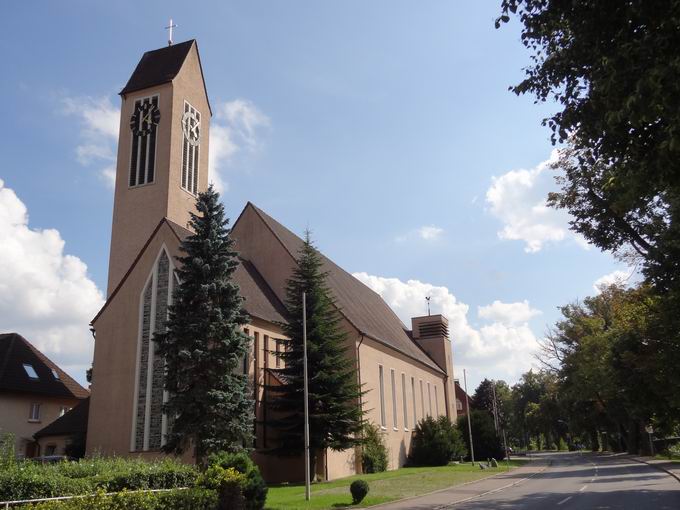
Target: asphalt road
pixel 584 481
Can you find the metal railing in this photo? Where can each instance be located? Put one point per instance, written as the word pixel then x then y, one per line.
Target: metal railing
pixel 6 504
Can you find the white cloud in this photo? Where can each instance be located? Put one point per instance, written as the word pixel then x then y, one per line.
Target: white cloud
pixel 508 313
pixel 45 295
pixel 618 277
pixel 502 349
pixel 99 121
pixel 235 127
pixel 430 232
pixel 518 199
pixel 425 233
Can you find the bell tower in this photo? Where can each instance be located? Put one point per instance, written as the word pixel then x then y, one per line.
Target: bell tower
pixel 162 161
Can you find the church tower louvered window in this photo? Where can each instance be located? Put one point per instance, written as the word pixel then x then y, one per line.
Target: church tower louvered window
pixel 150 424
pixel 143 124
pixel 191 128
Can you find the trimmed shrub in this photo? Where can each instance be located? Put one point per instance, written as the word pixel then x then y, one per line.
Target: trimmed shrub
pixel 436 443
pixel 7 453
pixel 189 499
pixel 359 489
pixel 28 480
pixel 374 452
pixel 253 487
pixel 228 483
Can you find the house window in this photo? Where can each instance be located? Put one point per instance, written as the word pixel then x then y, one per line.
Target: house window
pixel 144 124
pixel 459 405
pixel 422 400
pixel 50 449
pixel 63 410
pixel 34 413
pixel 55 374
pixel 30 371
pixel 403 399
pixel 429 399
pixel 394 399
pixel 191 127
pixel 415 408
pixel 436 401
pixel 277 363
pixel 383 419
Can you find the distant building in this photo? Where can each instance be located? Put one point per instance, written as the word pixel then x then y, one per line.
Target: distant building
pixel 461 399
pixel 67 434
pixel 34 392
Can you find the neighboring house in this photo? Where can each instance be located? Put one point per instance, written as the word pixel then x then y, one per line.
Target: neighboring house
pixel 33 392
pixel 462 399
pixel 162 165
pixel 66 435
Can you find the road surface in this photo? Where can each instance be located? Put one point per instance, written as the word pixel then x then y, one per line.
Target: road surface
pixel 571 481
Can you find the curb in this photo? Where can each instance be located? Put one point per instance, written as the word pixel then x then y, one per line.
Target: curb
pixel 497 475
pixel 658 467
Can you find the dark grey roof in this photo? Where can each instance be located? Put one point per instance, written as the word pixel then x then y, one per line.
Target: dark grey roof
pixel 362 307
pixel 15 351
pixel 161 66
pixel 260 300
pixel 72 422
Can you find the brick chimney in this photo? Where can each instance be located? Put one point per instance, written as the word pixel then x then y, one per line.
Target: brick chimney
pixel 431 332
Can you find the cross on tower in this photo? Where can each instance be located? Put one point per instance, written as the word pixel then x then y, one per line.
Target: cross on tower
pixel 169 28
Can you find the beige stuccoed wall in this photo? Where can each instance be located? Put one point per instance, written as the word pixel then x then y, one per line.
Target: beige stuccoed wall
pixel 374 354
pixel 59 443
pixel 138 210
pixel 15 409
pixel 115 356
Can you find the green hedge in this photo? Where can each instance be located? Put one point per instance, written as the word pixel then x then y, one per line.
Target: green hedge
pixel 189 499
pixel 28 480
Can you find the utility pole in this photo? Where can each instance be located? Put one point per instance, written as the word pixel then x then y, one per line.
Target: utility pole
pixel 467 406
pixel 308 487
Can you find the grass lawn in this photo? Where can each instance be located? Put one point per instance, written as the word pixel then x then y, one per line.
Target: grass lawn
pixel 386 486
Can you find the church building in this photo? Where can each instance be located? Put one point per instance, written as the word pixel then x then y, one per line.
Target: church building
pixel 162 164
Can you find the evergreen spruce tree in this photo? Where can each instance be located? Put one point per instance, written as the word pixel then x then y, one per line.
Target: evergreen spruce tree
pixel 209 406
pixel 335 414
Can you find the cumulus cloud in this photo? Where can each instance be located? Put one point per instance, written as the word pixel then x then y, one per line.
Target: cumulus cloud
pixel 501 348
pixel 618 277
pixel 98 136
pixel 518 199
pixel 236 127
pixel 45 295
pixel 508 313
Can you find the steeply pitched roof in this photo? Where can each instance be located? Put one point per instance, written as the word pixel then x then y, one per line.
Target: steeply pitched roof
pixel 15 352
pixel 160 66
pixel 72 422
pixel 260 300
pixel 362 307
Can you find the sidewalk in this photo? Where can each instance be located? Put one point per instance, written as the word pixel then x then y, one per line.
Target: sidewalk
pixel 672 468
pixel 458 493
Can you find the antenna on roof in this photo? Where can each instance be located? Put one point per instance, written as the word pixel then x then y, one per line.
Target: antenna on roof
pixel 427 298
pixel 169 28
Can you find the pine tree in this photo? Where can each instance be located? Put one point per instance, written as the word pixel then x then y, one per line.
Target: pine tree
pixel 208 404
pixel 335 414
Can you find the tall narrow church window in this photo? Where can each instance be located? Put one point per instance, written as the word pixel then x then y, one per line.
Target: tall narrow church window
pixel 403 398
pixel 415 408
pixel 436 401
pixel 143 124
pixel 383 418
pixel 191 127
pixel 149 422
pixel 429 399
pixel 422 400
pixel 394 399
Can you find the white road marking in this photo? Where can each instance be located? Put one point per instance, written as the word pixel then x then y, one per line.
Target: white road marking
pixel 582 488
pixel 564 500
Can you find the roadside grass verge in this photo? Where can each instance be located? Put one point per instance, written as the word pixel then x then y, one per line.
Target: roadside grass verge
pixel 386 486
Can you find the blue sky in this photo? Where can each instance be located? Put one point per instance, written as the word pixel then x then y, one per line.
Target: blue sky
pixel 386 127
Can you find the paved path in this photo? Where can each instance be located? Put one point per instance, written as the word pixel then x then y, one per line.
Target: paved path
pixel 573 481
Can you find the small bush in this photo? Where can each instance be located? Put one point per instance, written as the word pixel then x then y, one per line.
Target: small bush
pixel 7 453
pixel 253 487
pixel 359 489
pixel 436 442
pixel 374 452
pixel 562 445
pixel 228 483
